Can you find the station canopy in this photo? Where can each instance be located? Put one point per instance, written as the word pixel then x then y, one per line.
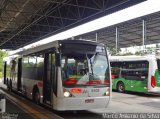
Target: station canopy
pixel 140 31
pixel 26 21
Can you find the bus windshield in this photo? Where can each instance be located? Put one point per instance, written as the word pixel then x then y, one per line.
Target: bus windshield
pixel 84 65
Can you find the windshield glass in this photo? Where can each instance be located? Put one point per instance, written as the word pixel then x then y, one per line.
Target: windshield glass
pixel 84 65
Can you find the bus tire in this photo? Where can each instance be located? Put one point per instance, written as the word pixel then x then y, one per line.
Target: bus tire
pixel 36 96
pixel 121 87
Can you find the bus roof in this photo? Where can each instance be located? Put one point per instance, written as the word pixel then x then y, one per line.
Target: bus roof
pixel 132 58
pixel 54 44
pixel 39 48
pixel 81 42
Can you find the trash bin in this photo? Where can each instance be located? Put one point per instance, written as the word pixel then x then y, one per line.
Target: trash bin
pixel 2 103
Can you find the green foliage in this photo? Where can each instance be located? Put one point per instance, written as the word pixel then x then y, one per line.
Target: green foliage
pixel 2 55
pixel 8 71
pixel 126 54
pixel 112 51
pixel 139 53
pixel 1 75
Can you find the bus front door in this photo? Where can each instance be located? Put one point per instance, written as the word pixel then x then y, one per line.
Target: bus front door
pixel 48 78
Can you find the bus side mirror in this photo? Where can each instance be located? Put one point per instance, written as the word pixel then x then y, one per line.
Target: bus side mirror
pixel 58 59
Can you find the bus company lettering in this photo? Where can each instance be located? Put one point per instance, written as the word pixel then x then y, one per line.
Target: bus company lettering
pixel 95 90
pixel 92 90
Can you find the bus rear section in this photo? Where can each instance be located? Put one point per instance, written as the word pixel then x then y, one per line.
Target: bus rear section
pixel 11 73
pixel 130 75
pixel 85 80
pixel 136 73
pixel 154 81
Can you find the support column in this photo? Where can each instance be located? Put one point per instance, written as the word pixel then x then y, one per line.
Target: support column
pixel 117 39
pixel 96 37
pixel 144 35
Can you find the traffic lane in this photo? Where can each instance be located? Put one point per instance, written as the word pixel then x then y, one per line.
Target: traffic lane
pixel 131 103
pixel 12 110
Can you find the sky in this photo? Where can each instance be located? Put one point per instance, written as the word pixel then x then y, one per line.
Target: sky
pixel 144 8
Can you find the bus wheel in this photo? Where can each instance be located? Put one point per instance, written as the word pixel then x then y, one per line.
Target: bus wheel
pixel 120 87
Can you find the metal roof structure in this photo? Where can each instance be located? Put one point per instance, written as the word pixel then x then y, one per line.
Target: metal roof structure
pixel 136 32
pixel 26 21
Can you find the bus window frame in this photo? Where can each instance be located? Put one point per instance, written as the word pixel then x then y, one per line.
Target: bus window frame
pixel 123 67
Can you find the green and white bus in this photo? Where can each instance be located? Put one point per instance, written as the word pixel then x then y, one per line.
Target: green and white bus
pixel 135 73
pixel 63 75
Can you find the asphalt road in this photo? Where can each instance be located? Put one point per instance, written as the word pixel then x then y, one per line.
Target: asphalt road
pixel 132 103
pixel 122 103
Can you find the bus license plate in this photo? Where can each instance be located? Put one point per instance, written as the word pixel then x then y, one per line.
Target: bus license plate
pixel 89 100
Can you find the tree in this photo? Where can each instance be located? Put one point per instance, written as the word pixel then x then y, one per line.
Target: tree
pixel 2 55
pixel 125 54
pixel 112 51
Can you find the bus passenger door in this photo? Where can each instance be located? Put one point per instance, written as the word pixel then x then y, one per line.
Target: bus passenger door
pixel 49 66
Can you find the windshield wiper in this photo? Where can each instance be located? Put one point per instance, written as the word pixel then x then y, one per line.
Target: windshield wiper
pixel 91 66
pixel 90 63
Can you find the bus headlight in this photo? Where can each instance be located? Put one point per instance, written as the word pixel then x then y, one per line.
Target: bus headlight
pixel 107 93
pixel 67 94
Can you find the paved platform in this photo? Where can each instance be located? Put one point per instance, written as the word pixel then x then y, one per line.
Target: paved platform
pixel 13 111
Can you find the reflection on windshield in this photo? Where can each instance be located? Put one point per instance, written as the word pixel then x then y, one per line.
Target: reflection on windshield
pixel 84 68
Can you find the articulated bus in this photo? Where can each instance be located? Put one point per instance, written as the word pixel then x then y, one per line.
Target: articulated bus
pixel 135 73
pixel 63 75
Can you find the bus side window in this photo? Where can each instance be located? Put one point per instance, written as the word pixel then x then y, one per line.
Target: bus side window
pixel 13 69
pixel 13 66
pixel 115 71
pixel 143 74
pixel 124 74
pixel 128 75
pixel 134 74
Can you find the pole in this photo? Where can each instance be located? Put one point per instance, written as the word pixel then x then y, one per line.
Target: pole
pixel 117 38
pixel 144 35
pixel 96 37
